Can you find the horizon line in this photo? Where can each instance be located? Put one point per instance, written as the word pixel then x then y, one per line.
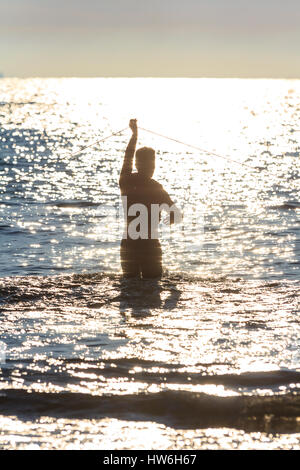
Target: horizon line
pixel 2 76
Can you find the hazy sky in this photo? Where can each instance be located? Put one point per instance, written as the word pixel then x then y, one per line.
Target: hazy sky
pixel 210 38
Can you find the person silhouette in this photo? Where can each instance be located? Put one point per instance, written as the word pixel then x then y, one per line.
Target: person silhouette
pixel 141 254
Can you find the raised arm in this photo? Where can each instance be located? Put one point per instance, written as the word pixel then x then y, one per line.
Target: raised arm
pixel 129 153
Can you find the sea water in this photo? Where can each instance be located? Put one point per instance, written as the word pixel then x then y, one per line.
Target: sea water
pixel 208 357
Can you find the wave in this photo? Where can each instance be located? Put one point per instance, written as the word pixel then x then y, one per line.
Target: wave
pixel 16 103
pixel 154 372
pixel 179 409
pixel 292 154
pixel 286 205
pixel 102 287
pixel 74 204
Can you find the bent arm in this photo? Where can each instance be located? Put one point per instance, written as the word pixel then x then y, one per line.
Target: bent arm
pixel 129 153
pixel 176 215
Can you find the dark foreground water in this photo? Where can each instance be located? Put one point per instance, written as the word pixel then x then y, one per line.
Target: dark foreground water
pixel 94 361
pixel 209 356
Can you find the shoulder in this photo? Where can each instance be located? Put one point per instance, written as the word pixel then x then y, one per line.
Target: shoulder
pixel 163 194
pixel 126 178
pixel 129 183
pixel 157 185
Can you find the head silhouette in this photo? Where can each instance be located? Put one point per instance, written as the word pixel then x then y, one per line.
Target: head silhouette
pixel 145 161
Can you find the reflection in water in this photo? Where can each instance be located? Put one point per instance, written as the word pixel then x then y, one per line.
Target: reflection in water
pixel 140 298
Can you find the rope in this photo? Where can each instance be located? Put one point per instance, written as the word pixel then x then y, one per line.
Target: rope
pixel 198 148
pixel 165 137
pixel 97 142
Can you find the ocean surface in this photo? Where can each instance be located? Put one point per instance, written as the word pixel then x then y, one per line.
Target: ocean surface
pixel 209 356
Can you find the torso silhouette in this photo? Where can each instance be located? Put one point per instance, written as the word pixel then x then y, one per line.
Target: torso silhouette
pixel 139 189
